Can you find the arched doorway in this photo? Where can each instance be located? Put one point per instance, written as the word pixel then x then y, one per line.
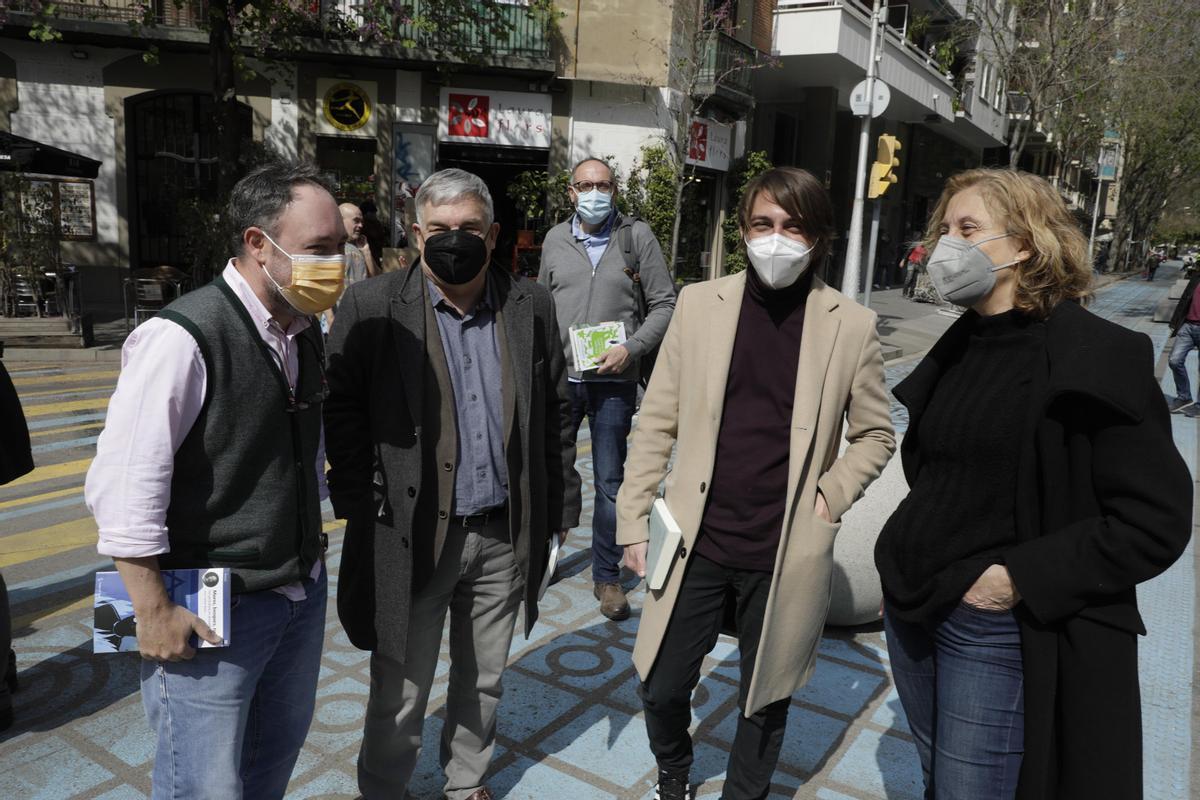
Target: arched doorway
pixel 172 166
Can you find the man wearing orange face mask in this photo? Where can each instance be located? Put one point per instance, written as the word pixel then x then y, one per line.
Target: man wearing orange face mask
pixel 212 456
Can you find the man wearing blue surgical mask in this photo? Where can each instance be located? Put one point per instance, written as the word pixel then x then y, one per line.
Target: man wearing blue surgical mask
pixel 604 267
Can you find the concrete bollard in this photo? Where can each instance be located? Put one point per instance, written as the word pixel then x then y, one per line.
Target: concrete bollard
pixel 856 593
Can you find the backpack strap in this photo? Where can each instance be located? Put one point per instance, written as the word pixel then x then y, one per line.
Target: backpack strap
pixel 633 267
pixel 625 237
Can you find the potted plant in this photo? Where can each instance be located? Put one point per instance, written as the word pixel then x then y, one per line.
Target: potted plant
pixel 528 193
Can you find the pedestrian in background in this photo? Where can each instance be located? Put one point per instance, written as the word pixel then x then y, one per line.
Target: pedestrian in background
pixel 1045 485
pixel 16 459
pixel 211 456
pixel 759 375
pixel 915 262
pixel 1185 328
pixel 360 265
pixel 598 265
pixel 452 464
pixel 374 233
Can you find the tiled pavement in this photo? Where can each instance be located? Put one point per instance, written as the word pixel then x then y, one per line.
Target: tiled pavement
pixel 570 722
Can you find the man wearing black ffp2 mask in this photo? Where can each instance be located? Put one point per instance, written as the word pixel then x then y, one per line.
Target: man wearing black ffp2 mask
pixel 476 368
pixel 455 257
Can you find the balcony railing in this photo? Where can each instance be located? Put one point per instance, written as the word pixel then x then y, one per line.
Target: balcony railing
pixel 157 12
pixel 727 64
pixel 502 30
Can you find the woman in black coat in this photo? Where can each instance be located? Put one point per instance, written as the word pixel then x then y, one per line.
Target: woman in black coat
pixel 1045 485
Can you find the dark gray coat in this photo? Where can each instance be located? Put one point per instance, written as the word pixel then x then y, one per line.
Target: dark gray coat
pixel 390 431
pixel 583 296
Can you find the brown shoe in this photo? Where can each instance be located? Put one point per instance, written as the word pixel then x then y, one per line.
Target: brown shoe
pixel 612 600
pixel 483 793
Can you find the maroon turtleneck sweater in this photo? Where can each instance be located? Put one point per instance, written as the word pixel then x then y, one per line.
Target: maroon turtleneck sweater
pixel 744 516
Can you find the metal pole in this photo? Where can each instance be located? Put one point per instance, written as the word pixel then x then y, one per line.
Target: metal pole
pixel 850 271
pixel 871 251
pixel 1095 217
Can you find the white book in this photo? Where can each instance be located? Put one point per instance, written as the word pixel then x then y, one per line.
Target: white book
pixel 665 540
pixel 589 341
pixel 551 563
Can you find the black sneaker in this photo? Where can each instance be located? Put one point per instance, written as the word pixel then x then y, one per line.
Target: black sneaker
pixel 1175 405
pixel 1192 411
pixel 672 786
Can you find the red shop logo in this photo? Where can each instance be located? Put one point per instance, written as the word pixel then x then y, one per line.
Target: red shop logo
pixel 468 115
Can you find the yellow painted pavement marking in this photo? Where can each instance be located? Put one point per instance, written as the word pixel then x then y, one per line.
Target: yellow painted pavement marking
pixel 63 378
pixel 77 467
pixel 70 405
pixel 72 390
pixel 39 498
pixel 44 542
pixel 54 611
pixel 50 431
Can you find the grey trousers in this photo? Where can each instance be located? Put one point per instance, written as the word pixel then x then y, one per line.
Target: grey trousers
pixel 478 582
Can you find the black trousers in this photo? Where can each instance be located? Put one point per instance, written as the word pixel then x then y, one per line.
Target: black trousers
pixel 691 635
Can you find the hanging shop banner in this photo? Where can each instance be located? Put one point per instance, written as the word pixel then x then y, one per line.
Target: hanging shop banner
pixel 346 108
pixel 415 156
pixel 504 119
pixel 710 144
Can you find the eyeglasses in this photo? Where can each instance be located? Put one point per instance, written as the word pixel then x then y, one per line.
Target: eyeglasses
pixel 584 187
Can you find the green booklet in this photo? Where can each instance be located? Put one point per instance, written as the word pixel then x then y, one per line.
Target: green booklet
pixel 588 342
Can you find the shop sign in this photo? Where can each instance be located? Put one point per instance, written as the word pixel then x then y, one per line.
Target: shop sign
pixel 346 107
pixel 504 119
pixel 709 144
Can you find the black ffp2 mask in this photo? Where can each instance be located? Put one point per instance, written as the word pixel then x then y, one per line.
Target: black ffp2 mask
pixel 455 257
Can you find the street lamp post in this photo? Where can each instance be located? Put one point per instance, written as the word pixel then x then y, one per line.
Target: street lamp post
pixel 850 271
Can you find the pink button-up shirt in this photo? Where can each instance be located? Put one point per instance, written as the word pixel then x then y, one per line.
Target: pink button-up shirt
pixel 158 398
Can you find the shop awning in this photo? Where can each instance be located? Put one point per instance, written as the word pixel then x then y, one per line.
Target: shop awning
pixel 18 154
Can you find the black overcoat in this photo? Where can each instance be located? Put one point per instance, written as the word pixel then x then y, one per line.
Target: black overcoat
pixel 1104 502
pixel 16 456
pixel 383 475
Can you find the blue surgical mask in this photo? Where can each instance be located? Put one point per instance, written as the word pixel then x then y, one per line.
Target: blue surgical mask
pixel 594 206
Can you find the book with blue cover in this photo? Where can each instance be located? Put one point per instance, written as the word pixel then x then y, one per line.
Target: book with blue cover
pixel 204 592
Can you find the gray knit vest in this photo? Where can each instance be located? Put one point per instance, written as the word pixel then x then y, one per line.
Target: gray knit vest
pixel 244 489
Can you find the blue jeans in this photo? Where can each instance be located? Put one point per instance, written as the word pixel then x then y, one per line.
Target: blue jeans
pixel 608 407
pixel 230 722
pixel 1187 339
pixel 962 688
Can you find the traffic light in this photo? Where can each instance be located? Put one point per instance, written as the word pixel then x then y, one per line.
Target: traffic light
pixel 883 173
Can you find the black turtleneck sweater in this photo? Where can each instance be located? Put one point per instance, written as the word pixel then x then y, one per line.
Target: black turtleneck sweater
pixel 744 516
pixel 959 517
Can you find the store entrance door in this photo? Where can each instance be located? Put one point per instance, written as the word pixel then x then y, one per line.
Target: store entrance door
pixel 498 166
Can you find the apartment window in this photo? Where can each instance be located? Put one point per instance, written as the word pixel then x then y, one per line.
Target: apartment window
pixel 985 82
pixel 998 98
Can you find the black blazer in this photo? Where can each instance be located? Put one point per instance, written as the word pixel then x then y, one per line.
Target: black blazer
pixel 1104 502
pixel 16 456
pixel 380 476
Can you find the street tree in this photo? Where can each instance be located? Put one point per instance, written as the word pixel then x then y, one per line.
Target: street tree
pixel 695 74
pixel 1052 55
pixel 1156 103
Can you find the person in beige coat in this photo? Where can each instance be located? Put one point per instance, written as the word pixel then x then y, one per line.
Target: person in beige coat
pixel 758 376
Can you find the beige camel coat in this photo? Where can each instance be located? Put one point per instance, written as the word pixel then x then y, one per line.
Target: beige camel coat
pixel 839 383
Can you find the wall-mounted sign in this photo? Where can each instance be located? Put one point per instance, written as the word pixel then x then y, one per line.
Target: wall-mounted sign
pixel 346 107
pixel 59 207
pixel 709 144
pixel 76 209
pixel 505 119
